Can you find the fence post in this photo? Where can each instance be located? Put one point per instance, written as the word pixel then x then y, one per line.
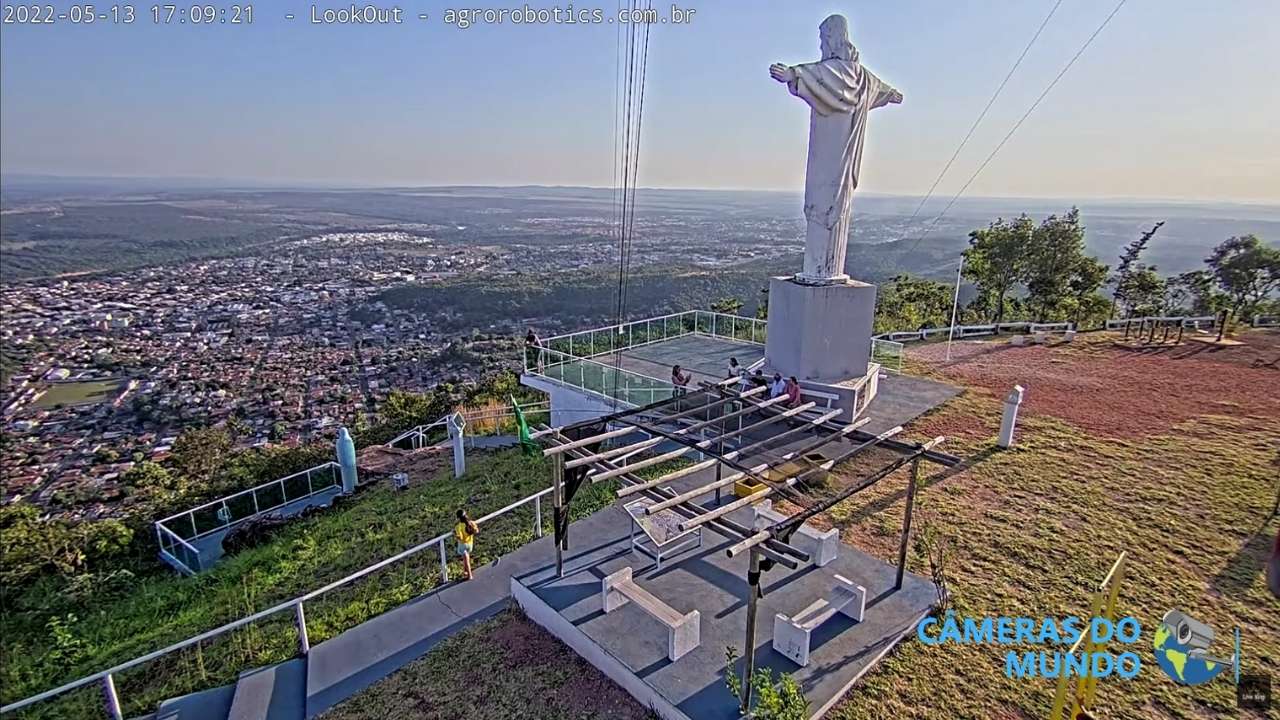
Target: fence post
pixel 111 699
pixel 300 617
pixel 537 516
pixel 192 517
pixel 444 564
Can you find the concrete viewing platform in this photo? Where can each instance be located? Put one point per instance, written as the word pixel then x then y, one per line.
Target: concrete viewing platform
pixel 706 357
pixel 631 647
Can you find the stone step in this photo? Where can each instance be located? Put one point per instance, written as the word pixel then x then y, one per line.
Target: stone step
pixel 204 705
pixel 275 692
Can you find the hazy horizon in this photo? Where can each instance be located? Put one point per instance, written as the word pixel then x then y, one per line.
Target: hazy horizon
pixel 179 183
pixel 287 103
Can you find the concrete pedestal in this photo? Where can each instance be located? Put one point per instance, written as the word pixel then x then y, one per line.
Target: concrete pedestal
pixel 820 332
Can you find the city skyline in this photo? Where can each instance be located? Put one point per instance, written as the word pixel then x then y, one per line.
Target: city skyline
pixel 289 103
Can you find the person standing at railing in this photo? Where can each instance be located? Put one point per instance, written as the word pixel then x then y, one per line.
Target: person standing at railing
pixel 680 379
pixel 465 532
pixel 532 343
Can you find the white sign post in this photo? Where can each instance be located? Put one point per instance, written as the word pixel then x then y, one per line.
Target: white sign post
pixel 1010 418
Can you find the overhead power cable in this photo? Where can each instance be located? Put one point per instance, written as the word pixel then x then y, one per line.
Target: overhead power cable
pixel 983 114
pixel 933 223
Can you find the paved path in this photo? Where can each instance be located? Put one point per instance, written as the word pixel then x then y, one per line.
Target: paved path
pixel 352 661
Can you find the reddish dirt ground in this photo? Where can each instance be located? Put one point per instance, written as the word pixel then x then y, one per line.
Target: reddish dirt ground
pixel 1118 392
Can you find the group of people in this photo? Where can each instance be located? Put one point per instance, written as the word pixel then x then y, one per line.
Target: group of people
pixel 778 385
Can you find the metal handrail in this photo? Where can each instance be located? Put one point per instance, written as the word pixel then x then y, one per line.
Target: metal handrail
pixel 421 429
pixel 255 488
pixel 105 676
pixel 633 323
pixel 161 527
pixel 577 359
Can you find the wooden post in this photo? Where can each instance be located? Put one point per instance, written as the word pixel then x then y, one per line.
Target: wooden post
pixel 557 500
pixel 749 654
pixel 906 522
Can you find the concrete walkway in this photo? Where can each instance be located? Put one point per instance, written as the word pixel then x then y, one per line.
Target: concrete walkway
pixel 352 661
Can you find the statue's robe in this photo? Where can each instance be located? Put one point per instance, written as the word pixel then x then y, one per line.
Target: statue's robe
pixel 840 93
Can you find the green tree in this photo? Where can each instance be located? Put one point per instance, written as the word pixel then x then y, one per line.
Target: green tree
pixel 278 432
pixel 1193 292
pixel 727 305
pixel 1246 270
pixel 1053 256
pixel 404 410
pixel 995 260
pixel 1127 268
pixel 1087 276
pixel 907 303
pixel 148 476
pixel 30 546
pixel 199 453
pixel 1144 293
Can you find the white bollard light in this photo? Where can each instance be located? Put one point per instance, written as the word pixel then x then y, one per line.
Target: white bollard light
pixel 1010 418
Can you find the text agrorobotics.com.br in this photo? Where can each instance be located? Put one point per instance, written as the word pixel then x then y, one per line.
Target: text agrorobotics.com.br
pixel 568 15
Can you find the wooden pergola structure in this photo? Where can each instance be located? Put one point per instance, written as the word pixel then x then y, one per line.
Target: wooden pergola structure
pixel 703 422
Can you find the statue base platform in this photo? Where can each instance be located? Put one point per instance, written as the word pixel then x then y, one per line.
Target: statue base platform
pixel 820 333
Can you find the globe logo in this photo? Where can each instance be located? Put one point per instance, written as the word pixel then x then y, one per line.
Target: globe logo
pixel 1181 648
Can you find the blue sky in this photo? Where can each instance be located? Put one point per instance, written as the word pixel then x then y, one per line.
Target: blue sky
pixel 1176 99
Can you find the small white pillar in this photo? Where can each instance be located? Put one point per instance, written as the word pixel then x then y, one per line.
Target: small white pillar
pixel 456 424
pixel 1010 418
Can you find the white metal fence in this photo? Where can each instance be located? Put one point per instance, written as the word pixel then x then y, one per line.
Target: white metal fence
pixel 174 533
pixel 422 435
pixel 608 381
pixel 1208 321
pixel 106 679
pixel 615 338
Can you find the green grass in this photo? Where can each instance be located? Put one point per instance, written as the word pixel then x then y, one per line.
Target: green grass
pixel 502 668
pixel 1034 529
pixel 159 610
pixel 79 393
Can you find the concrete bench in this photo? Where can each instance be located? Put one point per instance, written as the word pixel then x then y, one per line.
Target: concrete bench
pixel 682 629
pixel 791 635
pixel 822 547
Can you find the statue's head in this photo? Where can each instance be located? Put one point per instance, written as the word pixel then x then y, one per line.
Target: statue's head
pixel 833 35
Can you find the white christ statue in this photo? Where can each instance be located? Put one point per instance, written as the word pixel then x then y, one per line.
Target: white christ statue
pixel 840 92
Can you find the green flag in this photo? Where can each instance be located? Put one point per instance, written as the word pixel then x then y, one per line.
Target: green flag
pixel 526 440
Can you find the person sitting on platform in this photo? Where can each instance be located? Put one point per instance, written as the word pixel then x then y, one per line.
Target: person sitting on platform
pixel 734 368
pixel 759 380
pixel 778 386
pixel 793 392
pixel 680 379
